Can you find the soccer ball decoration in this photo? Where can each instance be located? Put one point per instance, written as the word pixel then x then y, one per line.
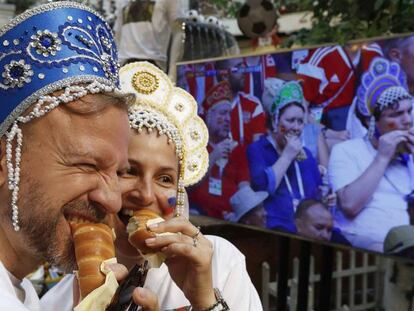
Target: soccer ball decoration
pixel 212 20
pixel 192 16
pixel 256 18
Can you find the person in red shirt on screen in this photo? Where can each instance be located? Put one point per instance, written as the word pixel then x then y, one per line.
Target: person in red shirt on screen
pixel 329 76
pixel 328 81
pixel 258 68
pixel 248 119
pixel 228 169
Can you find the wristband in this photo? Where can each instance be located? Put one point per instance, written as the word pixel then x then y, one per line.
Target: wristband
pixel 220 305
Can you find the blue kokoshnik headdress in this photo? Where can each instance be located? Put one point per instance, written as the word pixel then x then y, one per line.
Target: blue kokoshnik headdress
pixel 382 84
pixel 57 46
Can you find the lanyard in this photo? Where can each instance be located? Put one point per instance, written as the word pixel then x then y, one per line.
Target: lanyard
pixel 299 180
pixel 298 177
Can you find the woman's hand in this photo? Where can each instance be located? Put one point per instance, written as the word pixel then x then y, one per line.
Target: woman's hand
pixel 189 259
pixel 293 147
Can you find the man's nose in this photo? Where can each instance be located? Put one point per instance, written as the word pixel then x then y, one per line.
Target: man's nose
pixel 108 194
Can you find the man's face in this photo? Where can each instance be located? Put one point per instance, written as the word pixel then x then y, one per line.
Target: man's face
pixel 396 118
pixel 218 120
pixel 316 223
pixel 70 166
pixel 255 217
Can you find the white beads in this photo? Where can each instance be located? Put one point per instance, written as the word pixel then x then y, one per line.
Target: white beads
pixel 147 117
pixel 14 171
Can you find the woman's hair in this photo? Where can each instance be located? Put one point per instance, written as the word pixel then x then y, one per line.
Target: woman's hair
pixel 281 111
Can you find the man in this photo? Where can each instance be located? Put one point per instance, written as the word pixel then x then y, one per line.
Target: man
pixel 380 163
pixel 401 50
pixel 330 75
pixel 64 139
pixel 248 119
pixel 227 159
pixel 313 220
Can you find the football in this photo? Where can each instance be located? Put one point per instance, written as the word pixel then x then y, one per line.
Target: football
pixel 256 18
pixel 212 20
pixel 192 16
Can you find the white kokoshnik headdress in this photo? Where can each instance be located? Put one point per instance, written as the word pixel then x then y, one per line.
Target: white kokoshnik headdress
pixel 171 111
pixel 57 46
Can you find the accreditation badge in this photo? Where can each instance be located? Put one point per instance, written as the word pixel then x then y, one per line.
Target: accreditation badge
pixel 215 186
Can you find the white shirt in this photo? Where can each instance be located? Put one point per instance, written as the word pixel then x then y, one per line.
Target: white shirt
pixel 229 275
pixel 9 288
pixel 386 209
pixel 145 36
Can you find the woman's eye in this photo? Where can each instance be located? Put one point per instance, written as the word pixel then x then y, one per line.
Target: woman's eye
pixel 165 179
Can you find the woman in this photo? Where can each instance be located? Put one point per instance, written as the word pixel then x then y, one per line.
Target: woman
pixel 168 151
pixel 278 162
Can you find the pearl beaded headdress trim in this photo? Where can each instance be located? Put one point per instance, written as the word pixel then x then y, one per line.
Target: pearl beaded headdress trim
pixel 173 112
pixel 392 95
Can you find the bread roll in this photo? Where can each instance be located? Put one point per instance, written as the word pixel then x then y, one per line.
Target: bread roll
pixel 94 243
pixel 138 229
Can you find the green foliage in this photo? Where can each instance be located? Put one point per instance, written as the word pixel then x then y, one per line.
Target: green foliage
pixel 343 20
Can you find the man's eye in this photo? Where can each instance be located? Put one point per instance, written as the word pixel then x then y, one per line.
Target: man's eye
pixel 87 166
pixel 132 171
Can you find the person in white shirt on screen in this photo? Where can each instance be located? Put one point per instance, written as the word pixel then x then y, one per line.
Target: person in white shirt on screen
pixel 372 175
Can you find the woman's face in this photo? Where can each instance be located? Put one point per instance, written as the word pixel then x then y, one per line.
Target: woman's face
pixel 151 181
pixel 291 121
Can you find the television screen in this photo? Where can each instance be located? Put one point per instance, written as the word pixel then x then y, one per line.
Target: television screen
pixel 316 142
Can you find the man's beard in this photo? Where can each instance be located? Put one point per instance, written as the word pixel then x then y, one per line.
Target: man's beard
pixel 39 224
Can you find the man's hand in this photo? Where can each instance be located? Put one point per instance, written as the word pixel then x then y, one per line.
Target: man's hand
pixel 146 299
pixel 141 296
pixel 387 143
pixel 410 142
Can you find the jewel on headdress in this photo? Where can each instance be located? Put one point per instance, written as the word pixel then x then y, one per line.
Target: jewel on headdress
pixel 86 42
pixel 46 42
pixel 17 73
pixel 195 135
pixel 179 107
pixel 145 82
pixel 192 166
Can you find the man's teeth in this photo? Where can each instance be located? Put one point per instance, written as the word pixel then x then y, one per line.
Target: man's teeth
pixel 78 220
pixel 127 212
